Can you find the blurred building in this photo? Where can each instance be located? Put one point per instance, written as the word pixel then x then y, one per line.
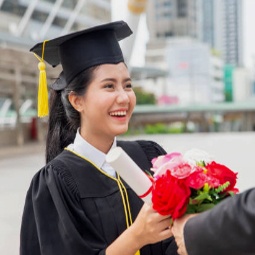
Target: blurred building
pixel 220 25
pixel 242 86
pixel 194 73
pixel 193 40
pixel 24 22
pixel 168 18
pixel 217 79
pixel 215 22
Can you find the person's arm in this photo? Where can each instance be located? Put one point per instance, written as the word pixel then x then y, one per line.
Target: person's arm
pixel 228 228
pixel 149 227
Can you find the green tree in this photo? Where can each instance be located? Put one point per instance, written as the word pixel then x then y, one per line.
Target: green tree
pixel 144 97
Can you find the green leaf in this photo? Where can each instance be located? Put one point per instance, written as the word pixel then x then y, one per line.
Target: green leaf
pixel 201 163
pixel 192 208
pixel 222 187
pixel 205 207
pixel 231 193
pixel 214 195
pixel 203 196
pixel 206 187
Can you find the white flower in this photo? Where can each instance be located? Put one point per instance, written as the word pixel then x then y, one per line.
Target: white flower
pixel 193 156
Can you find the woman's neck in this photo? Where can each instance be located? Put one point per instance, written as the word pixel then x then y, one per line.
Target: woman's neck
pixel 103 144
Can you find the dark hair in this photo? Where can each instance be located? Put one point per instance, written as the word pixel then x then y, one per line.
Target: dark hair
pixel 63 118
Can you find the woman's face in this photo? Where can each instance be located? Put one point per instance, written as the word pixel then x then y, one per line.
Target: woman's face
pixel 108 103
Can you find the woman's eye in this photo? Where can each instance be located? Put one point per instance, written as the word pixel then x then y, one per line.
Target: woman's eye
pixel 129 86
pixel 109 86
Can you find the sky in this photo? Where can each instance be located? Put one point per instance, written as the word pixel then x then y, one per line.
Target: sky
pixel 120 12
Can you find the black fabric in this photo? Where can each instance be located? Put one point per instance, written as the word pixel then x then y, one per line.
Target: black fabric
pixel 228 228
pixel 73 208
pixel 83 49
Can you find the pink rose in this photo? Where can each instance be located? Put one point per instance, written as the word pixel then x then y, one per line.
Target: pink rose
pixel 175 163
pixel 197 179
pixel 182 170
pixel 161 160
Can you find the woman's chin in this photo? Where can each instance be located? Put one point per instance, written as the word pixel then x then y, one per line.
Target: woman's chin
pixel 121 131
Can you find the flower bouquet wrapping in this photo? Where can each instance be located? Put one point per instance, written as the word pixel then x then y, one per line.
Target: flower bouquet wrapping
pixel 181 183
pixel 189 183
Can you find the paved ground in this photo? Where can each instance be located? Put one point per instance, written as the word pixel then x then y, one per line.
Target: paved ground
pixel 18 165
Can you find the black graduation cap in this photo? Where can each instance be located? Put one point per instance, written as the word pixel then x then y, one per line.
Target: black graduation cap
pixel 83 49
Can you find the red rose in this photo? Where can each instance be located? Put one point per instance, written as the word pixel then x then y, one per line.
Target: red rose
pixel 223 174
pixel 170 196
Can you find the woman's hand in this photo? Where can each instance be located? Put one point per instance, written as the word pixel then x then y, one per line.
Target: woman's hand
pixel 150 226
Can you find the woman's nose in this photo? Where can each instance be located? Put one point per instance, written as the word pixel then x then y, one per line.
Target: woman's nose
pixel 122 97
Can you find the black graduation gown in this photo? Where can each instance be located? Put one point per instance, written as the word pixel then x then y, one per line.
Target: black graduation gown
pixel 74 208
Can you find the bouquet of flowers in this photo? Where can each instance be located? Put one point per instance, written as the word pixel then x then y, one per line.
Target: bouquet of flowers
pixel 189 183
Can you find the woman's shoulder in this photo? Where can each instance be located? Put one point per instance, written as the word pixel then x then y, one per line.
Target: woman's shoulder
pixel 148 146
pixel 57 172
pixel 59 165
pixel 151 146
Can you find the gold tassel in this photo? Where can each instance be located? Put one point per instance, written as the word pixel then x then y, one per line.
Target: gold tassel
pixel 43 102
pixel 43 105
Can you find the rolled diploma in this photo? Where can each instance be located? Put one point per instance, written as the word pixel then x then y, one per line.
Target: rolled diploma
pixel 130 172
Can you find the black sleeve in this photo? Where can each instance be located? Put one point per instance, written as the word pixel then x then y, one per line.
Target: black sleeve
pixel 53 217
pixel 151 149
pixel 229 228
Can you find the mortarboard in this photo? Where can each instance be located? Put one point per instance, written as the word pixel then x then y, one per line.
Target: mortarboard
pixel 83 49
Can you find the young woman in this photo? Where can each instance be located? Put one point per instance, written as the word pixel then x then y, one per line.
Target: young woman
pixel 77 204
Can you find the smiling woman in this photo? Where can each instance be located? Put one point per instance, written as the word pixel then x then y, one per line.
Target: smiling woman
pixel 112 88
pixel 77 203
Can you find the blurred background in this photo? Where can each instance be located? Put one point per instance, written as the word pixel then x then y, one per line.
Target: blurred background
pixel 192 62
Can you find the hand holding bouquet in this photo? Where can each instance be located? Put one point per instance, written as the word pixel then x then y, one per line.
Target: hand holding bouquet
pixel 182 183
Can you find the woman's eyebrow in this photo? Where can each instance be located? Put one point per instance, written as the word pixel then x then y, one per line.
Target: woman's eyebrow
pixel 114 80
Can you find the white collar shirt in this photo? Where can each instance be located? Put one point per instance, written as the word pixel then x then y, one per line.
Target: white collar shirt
pixel 85 149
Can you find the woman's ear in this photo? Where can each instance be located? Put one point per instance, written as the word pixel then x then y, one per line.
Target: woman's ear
pixel 75 101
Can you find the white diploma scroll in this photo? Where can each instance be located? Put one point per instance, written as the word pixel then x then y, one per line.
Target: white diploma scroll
pixel 130 173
